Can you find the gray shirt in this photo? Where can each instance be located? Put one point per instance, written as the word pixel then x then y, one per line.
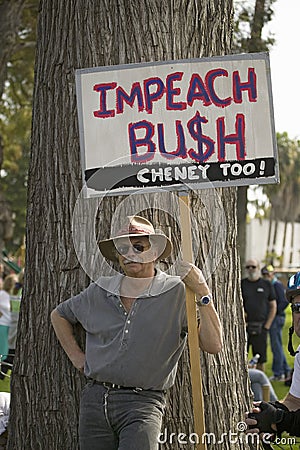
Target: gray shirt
pixel 140 348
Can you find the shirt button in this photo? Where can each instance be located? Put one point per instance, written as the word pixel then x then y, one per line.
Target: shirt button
pixel 128 321
pixel 126 331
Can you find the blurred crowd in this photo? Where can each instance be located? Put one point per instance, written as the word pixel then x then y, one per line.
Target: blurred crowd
pixel 11 285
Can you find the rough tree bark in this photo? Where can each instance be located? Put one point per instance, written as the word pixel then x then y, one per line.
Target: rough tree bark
pixel 45 386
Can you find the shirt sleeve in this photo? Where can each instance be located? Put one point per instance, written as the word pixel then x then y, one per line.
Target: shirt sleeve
pixel 282 302
pixel 290 423
pixel 295 386
pixel 72 309
pixel 272 293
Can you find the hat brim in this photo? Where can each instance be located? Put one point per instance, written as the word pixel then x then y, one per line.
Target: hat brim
pixel 291 293
pixel 108 249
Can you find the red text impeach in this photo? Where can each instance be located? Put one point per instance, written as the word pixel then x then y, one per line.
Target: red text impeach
pixel 145 94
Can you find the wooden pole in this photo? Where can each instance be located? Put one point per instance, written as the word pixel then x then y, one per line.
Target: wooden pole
pixel 193 341
pixel 266 392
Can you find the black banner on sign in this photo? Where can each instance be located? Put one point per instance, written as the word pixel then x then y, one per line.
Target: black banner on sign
pixel 137 176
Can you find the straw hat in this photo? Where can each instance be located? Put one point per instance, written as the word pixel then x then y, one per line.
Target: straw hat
pixel 136 226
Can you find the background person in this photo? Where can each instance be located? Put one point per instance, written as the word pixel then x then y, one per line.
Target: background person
pixel 280 367
pixel 15 303
pixel 136 328
pixel 5 316
pixel 258 381
pixel 4 417
pixel 260 310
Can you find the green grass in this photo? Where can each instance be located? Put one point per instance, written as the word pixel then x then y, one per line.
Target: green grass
pixel 5 384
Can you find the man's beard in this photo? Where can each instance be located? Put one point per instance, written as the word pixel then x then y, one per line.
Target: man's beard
pixel 253 276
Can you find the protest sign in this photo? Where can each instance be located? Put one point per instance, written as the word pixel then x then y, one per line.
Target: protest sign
pixel 177 123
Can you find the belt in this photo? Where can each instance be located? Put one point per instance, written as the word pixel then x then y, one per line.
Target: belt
pixel 117 386
pixel 109 385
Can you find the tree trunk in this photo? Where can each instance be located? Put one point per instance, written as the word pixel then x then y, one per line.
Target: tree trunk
pixel 45 387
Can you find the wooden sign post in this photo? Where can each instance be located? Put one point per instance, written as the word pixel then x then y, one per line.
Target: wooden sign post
pixel 193 340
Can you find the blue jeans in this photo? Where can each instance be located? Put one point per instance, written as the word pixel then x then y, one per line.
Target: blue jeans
pixel 258 380
pixel 119 419
pixel 279 365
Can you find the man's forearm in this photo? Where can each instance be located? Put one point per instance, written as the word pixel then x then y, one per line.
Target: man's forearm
pixel 271 316
pixel 291 402
pixel 210 330
pixel 290 423
pixel 64 332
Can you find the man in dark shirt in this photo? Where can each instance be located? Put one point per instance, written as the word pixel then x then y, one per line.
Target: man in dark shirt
pixel 260 309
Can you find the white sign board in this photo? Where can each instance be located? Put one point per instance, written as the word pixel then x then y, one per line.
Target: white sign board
pixel 199 123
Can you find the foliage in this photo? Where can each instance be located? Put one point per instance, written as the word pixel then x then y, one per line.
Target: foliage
pixel 280 200
pixel 249 19
pixel 284 196
pixel 15 108
pixel 15 124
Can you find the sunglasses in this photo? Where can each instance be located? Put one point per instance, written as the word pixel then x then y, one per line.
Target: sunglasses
pixel 251 267
pixel 296 307
pixel 137 248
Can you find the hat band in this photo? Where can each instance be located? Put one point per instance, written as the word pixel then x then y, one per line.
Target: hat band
pixel 132 230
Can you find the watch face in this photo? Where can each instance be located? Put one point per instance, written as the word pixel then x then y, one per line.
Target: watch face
pixel 205 300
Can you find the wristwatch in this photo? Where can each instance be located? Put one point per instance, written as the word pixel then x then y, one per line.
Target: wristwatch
pixel 205 300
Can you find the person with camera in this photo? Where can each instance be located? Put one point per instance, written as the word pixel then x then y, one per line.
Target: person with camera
pixel 275 418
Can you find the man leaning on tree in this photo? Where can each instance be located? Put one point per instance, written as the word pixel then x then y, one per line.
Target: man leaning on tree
pixel 136 329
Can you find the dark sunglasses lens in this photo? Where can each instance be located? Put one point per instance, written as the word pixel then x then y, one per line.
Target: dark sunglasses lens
pixel 137 248
pixel 123 249
pixel 250 267
pixel 296 307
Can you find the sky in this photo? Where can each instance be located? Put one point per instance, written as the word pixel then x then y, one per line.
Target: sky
pixel 285 66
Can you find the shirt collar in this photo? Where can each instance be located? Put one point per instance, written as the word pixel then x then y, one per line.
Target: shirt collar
pixel 159 284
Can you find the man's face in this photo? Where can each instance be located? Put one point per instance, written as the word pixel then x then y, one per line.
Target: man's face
pixel 136 256
pixel 266 276
pixel 296 316
pixel 252 268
